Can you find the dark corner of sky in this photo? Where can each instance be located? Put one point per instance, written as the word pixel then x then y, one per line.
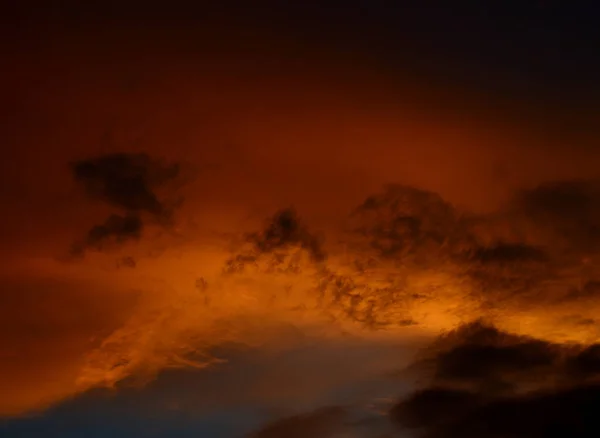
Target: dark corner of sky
pixel 540 53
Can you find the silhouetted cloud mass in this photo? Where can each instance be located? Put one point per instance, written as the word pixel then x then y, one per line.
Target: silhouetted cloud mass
pixel 129 183
pixel 441 413
pixel 506 253
pixel 483 382
pixel 407 222
pixel 283 233
pixel 115 230
pixel 568 209
pixel 286 229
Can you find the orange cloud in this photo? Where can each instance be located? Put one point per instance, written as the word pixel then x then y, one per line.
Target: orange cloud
pixel 49 323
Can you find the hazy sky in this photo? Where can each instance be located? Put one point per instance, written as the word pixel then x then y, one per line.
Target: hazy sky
pixel 232 220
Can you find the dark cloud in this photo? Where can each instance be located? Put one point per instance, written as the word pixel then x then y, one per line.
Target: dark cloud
pixel 585 363
pixel 126 181
pixel 433 406
pixel 569 210
pixel 129 183
pixel 540 249
pixel 488 358
pixel 493 253
pixel 506 269
pixel 506 253
pixel 283 233
pixel 480 354
pixel 407 222
pixel 115 230
pixel 286 229
pixel 584 290
pixel 443 414
pixel 573 198
pixel 487 383
pixel 321 423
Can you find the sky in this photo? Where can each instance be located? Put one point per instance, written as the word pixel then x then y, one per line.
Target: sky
pixel 360 219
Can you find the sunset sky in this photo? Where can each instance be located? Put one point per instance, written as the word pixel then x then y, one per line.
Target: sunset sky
pixel 276 219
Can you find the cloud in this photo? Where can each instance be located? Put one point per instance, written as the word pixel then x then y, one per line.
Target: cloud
pixel 283 232
pixel 480 355
pixel 541 247
pixel 433 281
pixel 564 199
pixel 407 222
pixel 433 407
pixel 126 181
pixel 285 229
pixel 444 414
pixel 483 382
pixel 507 253
pixel 48 323
pixel 404 247
pixel 568 210
pixel 585 363
pixel 130 183
pixel 114 231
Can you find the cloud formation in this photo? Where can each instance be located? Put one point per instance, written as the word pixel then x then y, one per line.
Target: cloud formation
pixel 115 230
pixel 283 233
pixel 483 382
pixel 404 249
pixel 405 259
pixel 569 209
pixel 130 183
pixel 311 134
pixel 405 222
